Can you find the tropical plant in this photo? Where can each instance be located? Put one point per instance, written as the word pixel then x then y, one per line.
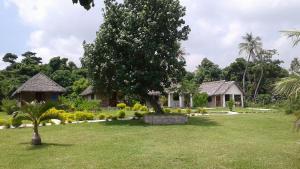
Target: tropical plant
pixel 37 113
pixel 9 106
pixel 230 104
pixel 289 86
pixel 250 46
pixel 121 105
pixel 200 100
pixel 294 35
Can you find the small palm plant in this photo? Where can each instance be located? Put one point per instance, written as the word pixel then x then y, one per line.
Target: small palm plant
pixel 36 113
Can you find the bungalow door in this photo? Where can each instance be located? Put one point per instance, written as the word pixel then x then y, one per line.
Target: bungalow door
pixel 218 101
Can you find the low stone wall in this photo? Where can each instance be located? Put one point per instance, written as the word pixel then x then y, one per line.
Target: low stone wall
pixel 165 119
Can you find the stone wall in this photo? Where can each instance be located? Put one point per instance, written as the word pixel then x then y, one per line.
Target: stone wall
pixel 165 119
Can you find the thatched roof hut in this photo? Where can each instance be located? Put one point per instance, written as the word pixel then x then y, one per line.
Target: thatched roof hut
pixel 39 88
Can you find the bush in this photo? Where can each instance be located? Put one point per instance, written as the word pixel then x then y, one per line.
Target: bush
pixel 121 105
pixel 9 106
pixel 101 116
pixel 201 110
pixel 127 108
pixel 7 124
pixel 167 110
pixel 144 108
pixel 114 118
pixel 138 115
pixel 109 117
pixel 121 114
pixel 83 116
pixel 16 122
pixel 68 117
pixel 230 104
pixel 178 110
pixel 264 99
pixel 136 107
pixel 188 111
pixel 89 105
pixel 200 100
pixel 2 122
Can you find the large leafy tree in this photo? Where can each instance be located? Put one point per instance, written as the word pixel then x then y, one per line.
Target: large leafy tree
pixel 10 58
pixel 87 4
pixel 295 66
pixel 250 47
pixel 207 71
pixel 137 49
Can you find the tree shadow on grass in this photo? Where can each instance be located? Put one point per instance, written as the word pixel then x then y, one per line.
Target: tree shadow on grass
pixel 193 121
pixel 45 145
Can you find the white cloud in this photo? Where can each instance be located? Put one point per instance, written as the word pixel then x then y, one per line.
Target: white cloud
pixel 60 27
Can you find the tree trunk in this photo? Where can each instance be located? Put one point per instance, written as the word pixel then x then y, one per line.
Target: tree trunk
pixel 259 82
pixel 154 102
pixel 245 72
pixel 36 139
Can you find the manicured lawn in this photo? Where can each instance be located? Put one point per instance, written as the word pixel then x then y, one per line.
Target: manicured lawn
pixel 245 141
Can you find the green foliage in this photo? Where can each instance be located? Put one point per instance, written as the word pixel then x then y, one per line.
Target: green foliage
pixel 15 122
pixel 87 4
pixel 137 107
pixel 201 110
pixel 128 59
pixel 127 108
pixel 114 118
pixel 89 105
pixel 138 115
pixel 79 86
pixel 264 99
pixel 121 105
pixel 167 110
pixel 109 117
pixel 207 71
pixel 2 122
pixel 144 108
pixel 163 100
pixel 200 100
pixel 178 110
pixel 101 116
pixel 230 104
pixel 188 111
pixel 83 116
pixel 80 104
pixel 9 106
pixel 121 114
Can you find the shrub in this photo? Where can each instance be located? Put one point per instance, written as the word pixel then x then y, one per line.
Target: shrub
pixel 101 116
pixel 178 110
pixel 89 105
pixel 114 118
pixel 127 108
pixel 121 114
pixel 200 100
pixel 9 106
pixel 188 111
pixel 109 117
pixel 138 115
pixel 83 116
pixel 7 124
pixel 2 122
pixel 163 100
pixel 264 99
pixel 167 110
pixel 68 117
pixel 15 122
pixel 144 108
pixel 121 105
pixel 136 107
pixel 201 110
pixel 230 104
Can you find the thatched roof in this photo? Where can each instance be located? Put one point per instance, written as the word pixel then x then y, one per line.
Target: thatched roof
pixel 216 87
pixel 88 91
pixel 40 83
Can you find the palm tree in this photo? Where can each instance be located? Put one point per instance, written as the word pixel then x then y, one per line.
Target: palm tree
pixel 36 113
pixel 263 57
pixel 289 86
pixel 294 35
pixel 250 46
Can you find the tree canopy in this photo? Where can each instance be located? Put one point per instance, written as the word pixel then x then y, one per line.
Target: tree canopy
pixel 137 48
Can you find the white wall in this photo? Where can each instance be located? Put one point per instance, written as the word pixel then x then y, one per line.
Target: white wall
pixel 234 90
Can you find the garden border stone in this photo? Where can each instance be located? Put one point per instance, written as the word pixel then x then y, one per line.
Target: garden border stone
pixel 165 119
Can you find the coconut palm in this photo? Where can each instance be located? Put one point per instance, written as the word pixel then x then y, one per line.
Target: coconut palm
pixel 294 35
pixel 250 46
pixel 289 86
pixel 36 113
pixel 262 58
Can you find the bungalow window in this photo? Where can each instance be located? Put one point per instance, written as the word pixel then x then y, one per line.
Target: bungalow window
pixel 175 96
pixel 227 97
pixel 209 99
pixel 92 96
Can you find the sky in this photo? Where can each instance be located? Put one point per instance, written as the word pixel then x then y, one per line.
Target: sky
pixel 57 28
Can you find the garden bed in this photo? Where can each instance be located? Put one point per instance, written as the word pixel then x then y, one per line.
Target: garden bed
pixel 165 119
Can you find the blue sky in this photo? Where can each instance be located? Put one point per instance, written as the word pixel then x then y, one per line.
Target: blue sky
pixel 57 28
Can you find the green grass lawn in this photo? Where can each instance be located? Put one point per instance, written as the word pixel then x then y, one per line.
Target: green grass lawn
pixel 245 141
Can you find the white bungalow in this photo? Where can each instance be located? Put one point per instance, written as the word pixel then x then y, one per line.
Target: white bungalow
pixel 219 93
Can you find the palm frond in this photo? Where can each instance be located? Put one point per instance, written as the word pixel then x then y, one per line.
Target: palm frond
pixel 22 117
pixel 50 115
pixel 289 86
pixel 294 35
